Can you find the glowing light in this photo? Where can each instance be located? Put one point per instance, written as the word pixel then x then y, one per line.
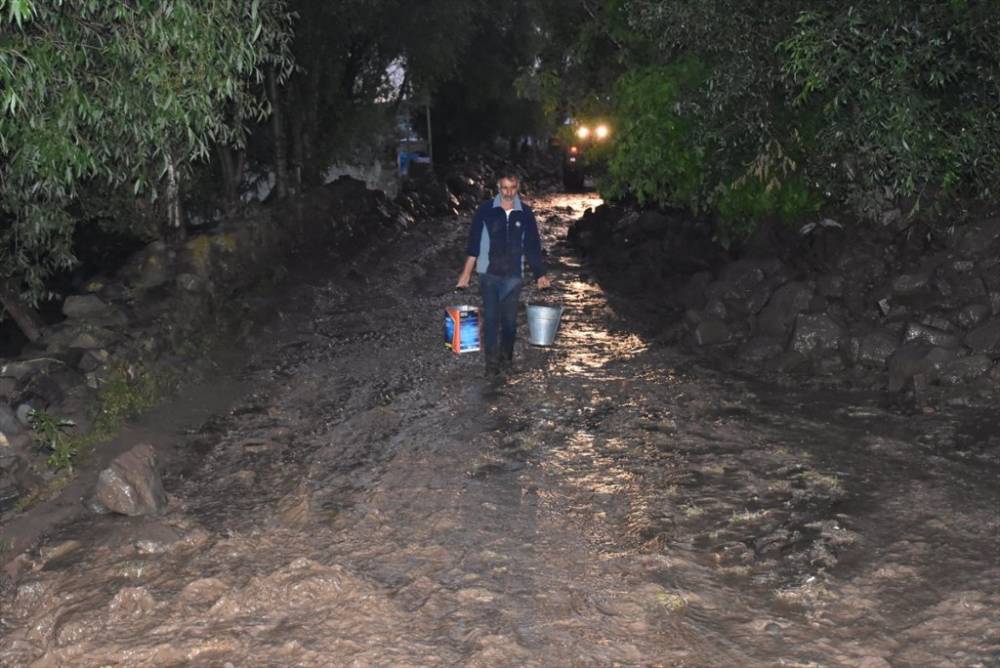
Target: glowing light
pixel 602 131
pixel 583 132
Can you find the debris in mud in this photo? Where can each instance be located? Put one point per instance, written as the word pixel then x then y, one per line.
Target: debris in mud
pixel 132 485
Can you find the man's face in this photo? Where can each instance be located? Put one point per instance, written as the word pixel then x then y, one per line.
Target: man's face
pixel 508 189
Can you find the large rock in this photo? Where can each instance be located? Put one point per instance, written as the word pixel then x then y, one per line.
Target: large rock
pixel 915 359
pixel 94 310
pixel 930 335
pixel 692 295
pixel 985 338
pixel 830 285
pixel 9 424
pixel 710 332
pixel 976 239
pixel 877 347
pixel 132 484
pixel 778 316
pixel 149 268
pixel 910 284
pixel 972 315
pixel 816 335
pixel 83 306
pixel 965 369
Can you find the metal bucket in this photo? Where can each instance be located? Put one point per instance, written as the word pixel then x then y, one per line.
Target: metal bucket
pixel 543 322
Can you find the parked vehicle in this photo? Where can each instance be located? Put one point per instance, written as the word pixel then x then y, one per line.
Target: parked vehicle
pixel 582 154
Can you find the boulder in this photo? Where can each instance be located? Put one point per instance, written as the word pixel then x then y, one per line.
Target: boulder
pixel 710 332
pixel 910 284
pixel 83 306
pixel 976 239
pixel 692 294
pixel 743 272
pixel 816 335
pixel 877 347
pixel 965 369
pixel 915 359
pixel 931 336
pixel 971 315
pixel 716 308
pixel 778 316
pixel 985 338
pixel 830 285
pixel 93 310
pixel 9 424
pixel 132 484
pixel 746 298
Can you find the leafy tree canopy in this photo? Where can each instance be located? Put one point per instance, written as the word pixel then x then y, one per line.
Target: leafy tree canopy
pixel 122 94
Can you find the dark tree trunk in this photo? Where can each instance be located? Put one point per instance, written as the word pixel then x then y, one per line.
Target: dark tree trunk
pixel 232 162
pixel 23 315
pixel 175 208
pixel 278 128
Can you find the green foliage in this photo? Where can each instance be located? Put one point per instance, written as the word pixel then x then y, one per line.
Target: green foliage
pixel 122 94
pixel 50 433
pixel 128 390
pixel 659 156
pixel 908 94
pixel 898 101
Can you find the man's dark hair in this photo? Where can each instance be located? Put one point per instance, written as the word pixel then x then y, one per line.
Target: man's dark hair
pixel 508 173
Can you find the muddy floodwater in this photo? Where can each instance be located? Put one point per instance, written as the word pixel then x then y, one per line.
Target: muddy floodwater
pixel 366 498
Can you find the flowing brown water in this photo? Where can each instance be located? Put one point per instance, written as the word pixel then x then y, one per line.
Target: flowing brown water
pixel 370 501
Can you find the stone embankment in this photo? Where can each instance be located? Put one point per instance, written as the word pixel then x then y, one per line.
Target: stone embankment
pixel 902 307
pixel 154 317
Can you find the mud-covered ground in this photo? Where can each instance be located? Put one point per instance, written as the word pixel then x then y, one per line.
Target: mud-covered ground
pixel 369 500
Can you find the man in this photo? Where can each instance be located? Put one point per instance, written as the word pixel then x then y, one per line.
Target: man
pixel 502 237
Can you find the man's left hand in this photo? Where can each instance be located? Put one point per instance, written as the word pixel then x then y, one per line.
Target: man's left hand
pixel 544 282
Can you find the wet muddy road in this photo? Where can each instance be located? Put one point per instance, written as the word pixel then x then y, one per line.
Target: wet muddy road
pixel 371 501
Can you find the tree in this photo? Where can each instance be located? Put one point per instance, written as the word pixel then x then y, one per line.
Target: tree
pixel 119 95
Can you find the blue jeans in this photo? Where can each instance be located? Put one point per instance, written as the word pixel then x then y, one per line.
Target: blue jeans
pixel 501 297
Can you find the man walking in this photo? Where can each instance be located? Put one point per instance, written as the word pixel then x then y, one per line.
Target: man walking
pixel 502 237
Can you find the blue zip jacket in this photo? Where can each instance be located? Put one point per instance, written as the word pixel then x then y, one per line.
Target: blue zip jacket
pixel 503 243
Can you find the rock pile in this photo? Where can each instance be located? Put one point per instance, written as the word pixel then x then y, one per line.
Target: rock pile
pixel 901 308
pixel 159 302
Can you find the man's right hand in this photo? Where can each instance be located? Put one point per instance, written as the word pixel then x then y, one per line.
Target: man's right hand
pixel 463 282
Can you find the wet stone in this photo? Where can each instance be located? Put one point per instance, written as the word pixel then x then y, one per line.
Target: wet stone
pixel 778 316
pixel 916 359
pixel 830 285
pixel 816 335
pixel 692 295
pixel 132 485
pixel 877 347
pixel 931 336
pixel 909 284
pixel 984 338
pixel 9 424
pixel 715 309
pixel 710 332
pixel 972 315
pixel 965 369
pixel 83 306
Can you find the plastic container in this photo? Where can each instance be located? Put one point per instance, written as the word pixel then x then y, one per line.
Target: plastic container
pixel 543 323
pixel 462 328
